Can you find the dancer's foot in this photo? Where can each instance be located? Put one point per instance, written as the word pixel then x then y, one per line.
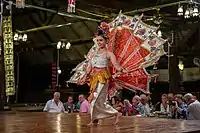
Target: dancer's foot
pixel 118 115
pixel 93 123
pixel 90 124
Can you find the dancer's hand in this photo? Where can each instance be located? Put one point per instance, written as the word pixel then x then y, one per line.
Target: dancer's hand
pixel 125 70
pixel 85 56
pixel 116 75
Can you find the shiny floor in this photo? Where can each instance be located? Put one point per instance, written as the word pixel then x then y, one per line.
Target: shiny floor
pixel 75 123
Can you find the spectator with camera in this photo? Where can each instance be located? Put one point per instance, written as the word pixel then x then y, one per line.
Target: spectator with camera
pixel 180 107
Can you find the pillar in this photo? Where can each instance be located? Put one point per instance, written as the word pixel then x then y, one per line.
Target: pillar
pixel 174 74
pixel 2 91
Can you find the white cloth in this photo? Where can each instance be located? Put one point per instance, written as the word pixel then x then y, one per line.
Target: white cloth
pixel 162 108
pixel 194 111
pixel 51 106
pixel 99 60
pixel 99 108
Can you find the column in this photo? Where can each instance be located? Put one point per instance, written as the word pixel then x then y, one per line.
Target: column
pixel 174 74
pixel 2 91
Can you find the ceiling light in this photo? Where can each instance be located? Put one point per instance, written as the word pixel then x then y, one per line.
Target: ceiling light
pixel 59 71
pixel 68 45
pixel 195 12
pixel 20 37
pixel 24 38
pixel 16 37
pixel 59 45
pixel 180 11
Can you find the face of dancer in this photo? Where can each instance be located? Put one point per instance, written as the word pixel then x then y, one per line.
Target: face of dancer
pixel 101 42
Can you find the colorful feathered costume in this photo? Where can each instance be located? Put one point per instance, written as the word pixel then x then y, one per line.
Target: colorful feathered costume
pixel 135 45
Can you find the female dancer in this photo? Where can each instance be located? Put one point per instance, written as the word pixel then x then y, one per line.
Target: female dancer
pixel 99 76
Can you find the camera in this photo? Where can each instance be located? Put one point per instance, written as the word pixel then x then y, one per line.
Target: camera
pixel 173 103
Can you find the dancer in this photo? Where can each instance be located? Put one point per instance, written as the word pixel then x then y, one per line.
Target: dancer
pixel 99 76
pixel 135 45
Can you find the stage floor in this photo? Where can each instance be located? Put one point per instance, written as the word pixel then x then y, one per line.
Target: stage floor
pixel 75 123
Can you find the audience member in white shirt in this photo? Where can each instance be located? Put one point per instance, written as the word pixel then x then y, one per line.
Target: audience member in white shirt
pixel 193 107
pixel 54 105
pixel 164 106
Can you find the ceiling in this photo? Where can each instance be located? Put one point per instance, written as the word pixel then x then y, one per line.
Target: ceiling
pixel 40 47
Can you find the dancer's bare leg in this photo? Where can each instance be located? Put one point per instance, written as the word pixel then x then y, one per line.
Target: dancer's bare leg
pixel 118 115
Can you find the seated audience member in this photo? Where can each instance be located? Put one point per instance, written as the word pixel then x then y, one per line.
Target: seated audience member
pixel 193 107
pixel 195 98
pixel 164 106
pixel 54 105
pixel 180 107
pixel 132 109
pixel 145 110
pixel 84 104
pixel 115 103
pixel 149 100
pixel 69 105
pixel 172 103
pixel 77 106
pixel 170 98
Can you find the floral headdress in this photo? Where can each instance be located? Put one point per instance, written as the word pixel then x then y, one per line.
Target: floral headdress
pixel 103 30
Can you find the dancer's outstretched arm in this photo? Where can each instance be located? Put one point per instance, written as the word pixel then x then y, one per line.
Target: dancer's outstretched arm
pixel 115 63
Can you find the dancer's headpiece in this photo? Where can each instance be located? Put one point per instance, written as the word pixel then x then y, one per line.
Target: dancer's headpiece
pixel 103 30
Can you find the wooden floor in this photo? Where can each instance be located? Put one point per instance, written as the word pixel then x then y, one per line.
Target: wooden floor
pixel 74 123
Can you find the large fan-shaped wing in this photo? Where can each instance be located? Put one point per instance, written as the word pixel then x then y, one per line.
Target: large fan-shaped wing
pixel 134 48
pixel 136 80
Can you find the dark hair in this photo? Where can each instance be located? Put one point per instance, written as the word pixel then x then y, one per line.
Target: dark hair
pixel 179 96
pixel 117 100
pixel 164 95
pixel 71 96
pixel 82 95
pixel 102 34
pixel 103 30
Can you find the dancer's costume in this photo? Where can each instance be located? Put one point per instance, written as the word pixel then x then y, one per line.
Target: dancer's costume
pixel 136 46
